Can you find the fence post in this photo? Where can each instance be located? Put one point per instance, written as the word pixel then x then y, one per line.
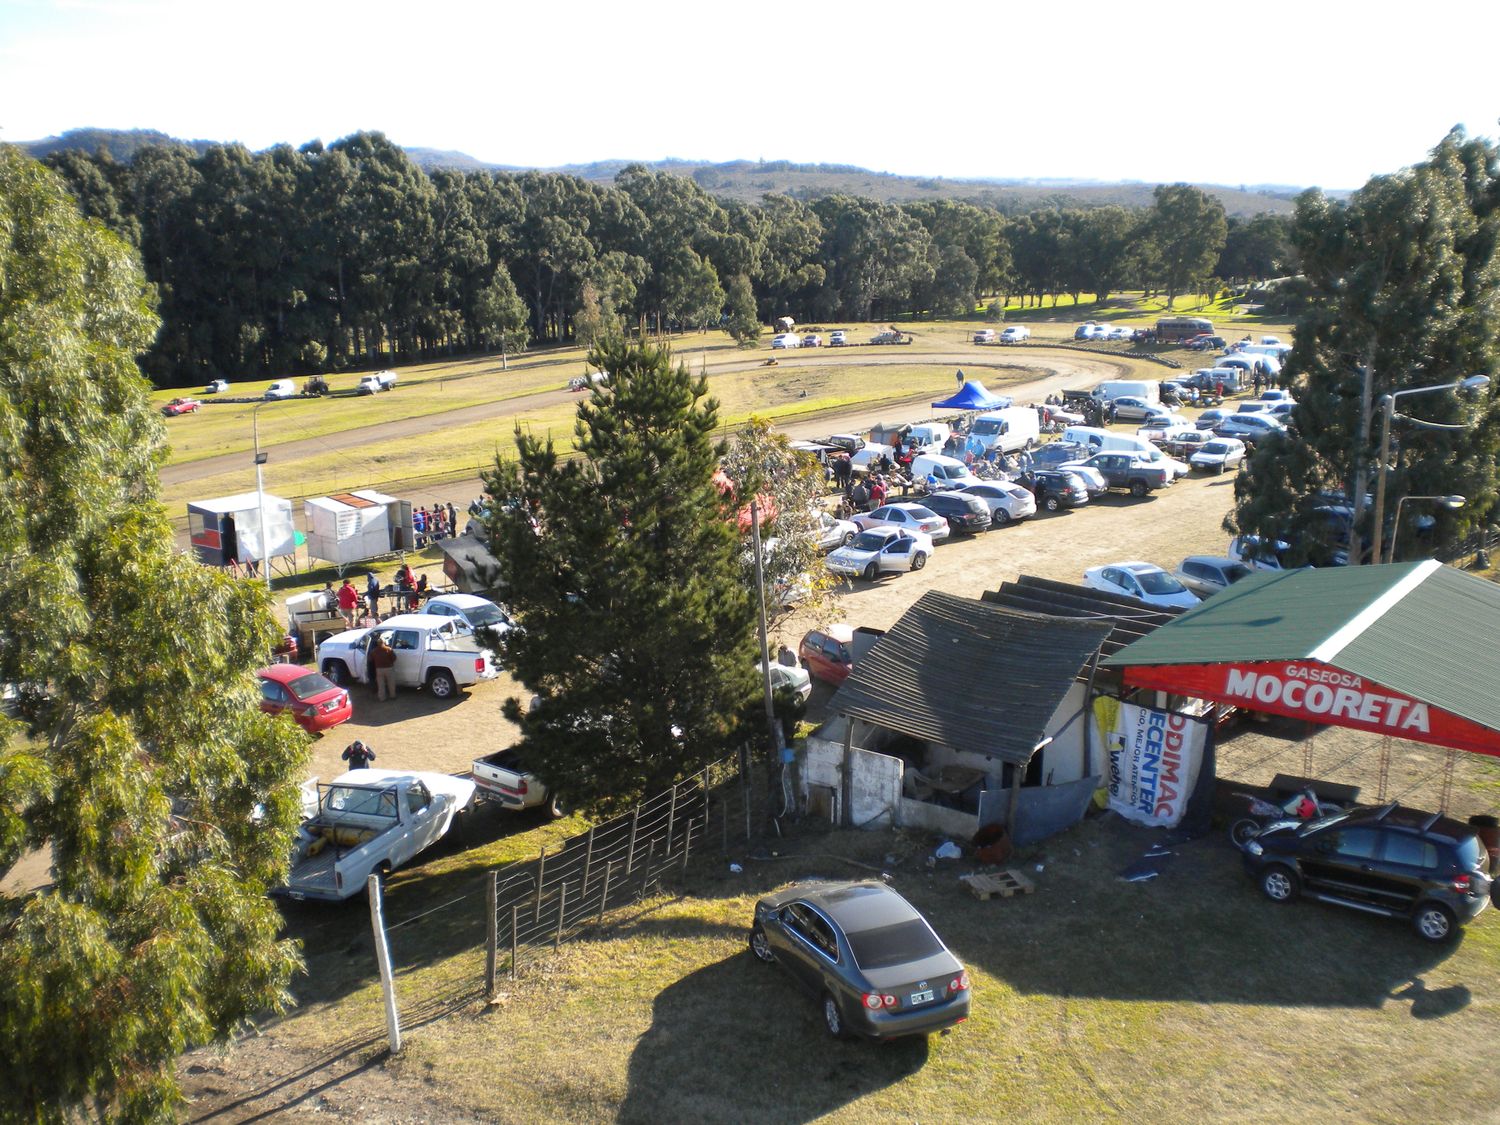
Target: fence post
pixel 646 870
pixel 604 898
pixel 541 871
pixel 492 951
pixel 635 824
pixel 562 912
pixel 671 818
pixel 383 959
pixel 687 845
pixel 515 944
pixel 588 860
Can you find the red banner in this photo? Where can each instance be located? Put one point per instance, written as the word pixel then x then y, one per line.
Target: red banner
pixel 1320 693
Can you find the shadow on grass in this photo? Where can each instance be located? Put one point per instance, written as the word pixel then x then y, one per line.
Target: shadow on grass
pixel 738 1039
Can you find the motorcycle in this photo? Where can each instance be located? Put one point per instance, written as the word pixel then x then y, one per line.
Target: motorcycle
pixel 1300 806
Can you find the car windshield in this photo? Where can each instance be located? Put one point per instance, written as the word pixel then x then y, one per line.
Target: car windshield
pixel 868 541
pixel 1234 572
pixel 1215 447
pixel 885 946
pixel 985 426
pixel 1158 582
pixel 309 685
pixel 482 615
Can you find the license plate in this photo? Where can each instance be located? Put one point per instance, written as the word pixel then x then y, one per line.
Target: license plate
pixel 920 997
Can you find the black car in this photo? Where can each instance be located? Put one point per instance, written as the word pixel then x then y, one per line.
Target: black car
pixel 875 964
pixel 963 513
pixel 1400 863
pixel 1054 489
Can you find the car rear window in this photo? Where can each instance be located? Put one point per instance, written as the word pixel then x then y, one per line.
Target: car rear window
pixel 310 684
pixel 1472 855
pixel 885 946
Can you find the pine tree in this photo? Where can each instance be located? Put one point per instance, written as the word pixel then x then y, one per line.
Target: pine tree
pixel 637 633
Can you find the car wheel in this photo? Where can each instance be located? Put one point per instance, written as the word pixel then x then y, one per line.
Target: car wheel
pixel 557 806
pixel 1433 922
pixel 1279 883
pixel 1138 488
pixel 833 1018
pixel 869 572
pixel 1000 517
pixel 848 538
pixel 760 946
pixel 1051 504
pixel 442 684
pixel 1241 832
pixel 338 672
pixel 918 561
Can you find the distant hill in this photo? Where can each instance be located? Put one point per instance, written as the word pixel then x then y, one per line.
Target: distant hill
pixel 748 180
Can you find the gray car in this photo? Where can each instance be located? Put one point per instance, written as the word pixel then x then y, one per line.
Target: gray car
pixel 1206 575
pixel 874 963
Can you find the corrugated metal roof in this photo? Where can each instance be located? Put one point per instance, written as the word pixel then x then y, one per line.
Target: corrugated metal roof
pixel 976 677
pixel 1131 618
pixel 1423 629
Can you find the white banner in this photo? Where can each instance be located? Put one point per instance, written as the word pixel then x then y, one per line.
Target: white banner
pixel 1154 757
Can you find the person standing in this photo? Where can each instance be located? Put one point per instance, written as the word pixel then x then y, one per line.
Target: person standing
pixel 348 601
pixel 383 662
pixel 358 755
pixel 452 519
pixel 372 594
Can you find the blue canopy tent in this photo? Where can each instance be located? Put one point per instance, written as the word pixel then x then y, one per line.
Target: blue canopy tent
pixel 973 396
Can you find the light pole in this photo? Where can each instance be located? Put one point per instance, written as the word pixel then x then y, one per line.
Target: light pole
pixel 260 493
pixel 1451 502
pixel 1387 413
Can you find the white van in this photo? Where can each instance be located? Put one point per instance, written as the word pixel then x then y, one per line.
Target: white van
pixel 1112 389
pixel 949 471
pixel 1106 441
pixel 282 388
pixel 929 436
pixel 1009 430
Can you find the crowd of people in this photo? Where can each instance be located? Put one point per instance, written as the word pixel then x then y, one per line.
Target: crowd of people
pixel 406 594
pixel 438 522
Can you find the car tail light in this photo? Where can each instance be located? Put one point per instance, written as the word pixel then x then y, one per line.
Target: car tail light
pixel 479 665
pixel 521 787
pixel 959 983
pixel 874 1001
pixel 1461 884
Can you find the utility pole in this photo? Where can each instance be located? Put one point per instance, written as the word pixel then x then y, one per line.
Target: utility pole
pixel 1356 541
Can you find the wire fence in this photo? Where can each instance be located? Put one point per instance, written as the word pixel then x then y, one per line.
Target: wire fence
pixel 539 904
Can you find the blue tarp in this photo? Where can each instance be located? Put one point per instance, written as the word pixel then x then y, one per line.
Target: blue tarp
pixel 973 396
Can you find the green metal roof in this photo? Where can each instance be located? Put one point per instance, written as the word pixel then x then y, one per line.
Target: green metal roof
pixel 1421 628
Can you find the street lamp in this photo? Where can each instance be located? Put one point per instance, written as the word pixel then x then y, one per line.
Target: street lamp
pixel 1388 412
pixel 260 492
pixel 1451 502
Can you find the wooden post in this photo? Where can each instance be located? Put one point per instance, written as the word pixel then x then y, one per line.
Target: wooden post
pixel 671 820
pixel 846 779
pixel 515 941
pixel 1017 772
pixel 646 868
pixel 541 871
pixel 588 860
pixel 687 845
pixel 383 959
pixel 491 950
pixel 604 898
pixel 635 824
pixel 562 912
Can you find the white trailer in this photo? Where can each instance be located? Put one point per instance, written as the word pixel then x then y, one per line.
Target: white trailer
pixel 349 527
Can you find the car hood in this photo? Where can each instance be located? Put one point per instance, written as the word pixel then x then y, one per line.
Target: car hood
pixel 850 556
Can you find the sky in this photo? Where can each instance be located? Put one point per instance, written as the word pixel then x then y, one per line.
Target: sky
pixel 1306 93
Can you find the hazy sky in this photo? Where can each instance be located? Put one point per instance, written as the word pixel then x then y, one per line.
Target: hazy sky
pixel 1293 93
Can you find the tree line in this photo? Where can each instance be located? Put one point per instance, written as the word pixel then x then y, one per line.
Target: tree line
pixel 324 258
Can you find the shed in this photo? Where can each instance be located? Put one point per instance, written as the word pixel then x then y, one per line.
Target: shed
pixel 940 725
pixel 468 564
pixel 350 526
pixel 229 528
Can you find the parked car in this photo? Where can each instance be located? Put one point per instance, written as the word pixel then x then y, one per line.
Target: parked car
pixel 1127 408
pixel 1144 581
pixel 906 516
pixel 794 678
pixel 1055 488
pixel 217 387
pixel 281 388
pixel 874 963
pixel 1182 444
pixel 1126 472
pixel 378 381
pixel 1400 863
pixel 1056 453
pixel 1206 575
pixel 1120 332
pixel 963 512
pixel 313 700
pixel 838 338
pixel 786 340
pixel 1258 553
pixel 833 532
pixel 1089 331
pixel 1220 454
pixel 1250 428
pixel 882 550
pixel 501 777
pixel 812 340
pixel 181 406
pixel 1156 426
pixel 431 651
pixel 1007 502
pixel 985 336
pixel 1210 419
pixel 828 654
pixel 474 611
pixel 1015 334
pixel 1205 342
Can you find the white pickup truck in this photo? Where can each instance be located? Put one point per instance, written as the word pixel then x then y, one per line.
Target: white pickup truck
pixel 500 777
pixel 374 384
pixel 369 822
pixel 437 653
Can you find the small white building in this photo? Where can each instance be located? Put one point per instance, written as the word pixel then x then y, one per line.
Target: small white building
pixel 229 528
pixel 349 527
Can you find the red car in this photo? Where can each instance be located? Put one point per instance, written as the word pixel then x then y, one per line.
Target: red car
pixel 828 654
pixel 316 702
pixel 181 406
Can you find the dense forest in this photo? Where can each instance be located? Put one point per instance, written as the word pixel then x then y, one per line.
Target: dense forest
pixel 325 258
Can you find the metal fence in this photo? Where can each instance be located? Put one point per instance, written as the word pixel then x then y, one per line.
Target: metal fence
pixel 539 904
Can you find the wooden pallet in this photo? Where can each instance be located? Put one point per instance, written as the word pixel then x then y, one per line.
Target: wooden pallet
pixel 1004 884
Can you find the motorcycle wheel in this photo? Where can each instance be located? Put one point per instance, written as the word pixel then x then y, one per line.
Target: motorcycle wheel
pixel 1241 832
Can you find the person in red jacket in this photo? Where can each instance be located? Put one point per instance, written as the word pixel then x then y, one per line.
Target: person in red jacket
pixel 348 601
